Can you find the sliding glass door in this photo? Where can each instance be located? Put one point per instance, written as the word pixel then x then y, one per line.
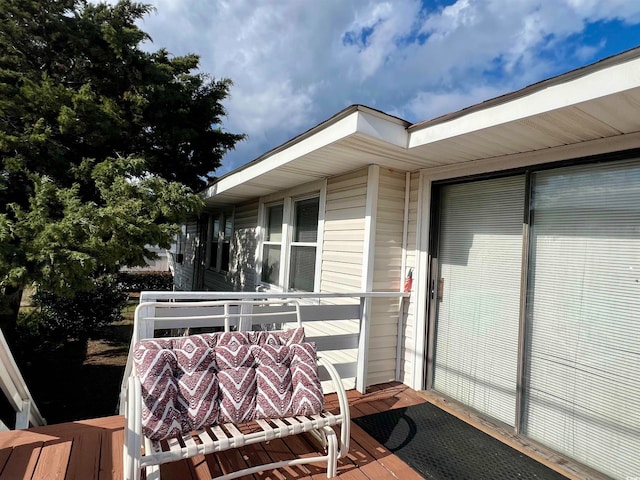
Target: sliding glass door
pixel 567 310
pixel 479 262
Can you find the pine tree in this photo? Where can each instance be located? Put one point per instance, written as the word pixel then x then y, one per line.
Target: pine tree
pixel 102 143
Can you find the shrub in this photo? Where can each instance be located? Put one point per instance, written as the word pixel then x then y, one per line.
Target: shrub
pixel 81 315
pixel 140 281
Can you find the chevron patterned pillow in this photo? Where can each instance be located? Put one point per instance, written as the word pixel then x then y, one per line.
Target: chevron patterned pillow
pixel 237 380
pixel 287 381
pixel 161 412
pixel 199 380
pixel 273 378
pixel 307 397
pixel 197 386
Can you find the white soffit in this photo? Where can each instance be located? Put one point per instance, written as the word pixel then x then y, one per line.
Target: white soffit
pixel 557 94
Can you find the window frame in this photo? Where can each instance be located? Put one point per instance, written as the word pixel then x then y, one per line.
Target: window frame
pixel 287 199
pixel 292 244
pixel 264 242
pixel 221 217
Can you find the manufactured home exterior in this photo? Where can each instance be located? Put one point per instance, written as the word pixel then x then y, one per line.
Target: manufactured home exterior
pixel 519 220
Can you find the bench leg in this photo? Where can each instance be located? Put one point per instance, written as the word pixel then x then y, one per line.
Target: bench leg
pixel 332 452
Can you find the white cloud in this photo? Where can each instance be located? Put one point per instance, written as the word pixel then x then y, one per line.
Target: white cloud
pixel 296 63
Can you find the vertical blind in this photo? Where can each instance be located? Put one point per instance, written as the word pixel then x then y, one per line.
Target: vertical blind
pixel 480 256
pixel 583 315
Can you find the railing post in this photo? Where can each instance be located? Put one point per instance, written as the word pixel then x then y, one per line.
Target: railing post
pixel 363 344
pixel 244 323
pixel 22 415
pixel 15 389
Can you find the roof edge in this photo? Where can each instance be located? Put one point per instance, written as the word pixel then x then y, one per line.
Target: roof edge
pixel 579 72
pixel 345 112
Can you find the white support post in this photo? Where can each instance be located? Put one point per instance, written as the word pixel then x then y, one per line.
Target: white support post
pixel 368 264
pixel 421 285
pixel 400 332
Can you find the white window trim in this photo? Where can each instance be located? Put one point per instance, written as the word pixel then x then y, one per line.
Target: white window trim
pixel 287 198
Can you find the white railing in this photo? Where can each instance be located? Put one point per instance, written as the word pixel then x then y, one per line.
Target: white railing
pixel 15 389
pixel 338 323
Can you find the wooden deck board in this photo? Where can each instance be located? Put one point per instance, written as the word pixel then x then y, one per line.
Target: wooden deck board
pixel 22 462
pixel 53 461
pixel 92 449
pixel 84 461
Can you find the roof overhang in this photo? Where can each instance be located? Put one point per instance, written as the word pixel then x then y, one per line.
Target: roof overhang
pixel 599 101
pixel 342 143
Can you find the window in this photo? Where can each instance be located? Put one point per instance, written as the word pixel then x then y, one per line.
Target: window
pixel 220 232
pixel 272 246
pixel 290 244
pixel 302 270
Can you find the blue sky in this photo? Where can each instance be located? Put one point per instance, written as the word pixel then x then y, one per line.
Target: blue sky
pixel 295 63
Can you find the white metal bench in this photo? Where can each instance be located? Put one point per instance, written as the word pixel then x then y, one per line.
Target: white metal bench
pixel 141 452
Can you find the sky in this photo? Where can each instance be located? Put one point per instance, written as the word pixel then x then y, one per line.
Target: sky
pixel 295 63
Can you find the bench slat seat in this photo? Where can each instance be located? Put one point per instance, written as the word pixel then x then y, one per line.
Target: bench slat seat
pixel 200 442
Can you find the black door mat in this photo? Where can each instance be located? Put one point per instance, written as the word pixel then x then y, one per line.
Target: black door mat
pixel 440 446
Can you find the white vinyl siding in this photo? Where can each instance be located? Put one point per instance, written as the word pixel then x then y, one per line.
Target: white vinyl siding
pixel 584 315
pixel 343 243
pixel 480 260
pixel 383 336
pixel 389 231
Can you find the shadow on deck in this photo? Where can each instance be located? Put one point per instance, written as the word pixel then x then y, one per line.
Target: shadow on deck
pixel 92 449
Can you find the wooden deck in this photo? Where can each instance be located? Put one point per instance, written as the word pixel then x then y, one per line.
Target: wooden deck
pixel 92 449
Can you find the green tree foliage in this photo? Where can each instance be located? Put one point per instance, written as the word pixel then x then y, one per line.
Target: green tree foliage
pixel 79 316
pixel 102 143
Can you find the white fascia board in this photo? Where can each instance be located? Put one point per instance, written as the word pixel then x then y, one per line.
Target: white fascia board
pixel 611 80
pixel 393 132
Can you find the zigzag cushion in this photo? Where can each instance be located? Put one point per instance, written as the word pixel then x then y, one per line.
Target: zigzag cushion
pixel 237 378
pixel 191 382
pixel 197 386
pixel 273 378
pixel 162 415
pixel 307 397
